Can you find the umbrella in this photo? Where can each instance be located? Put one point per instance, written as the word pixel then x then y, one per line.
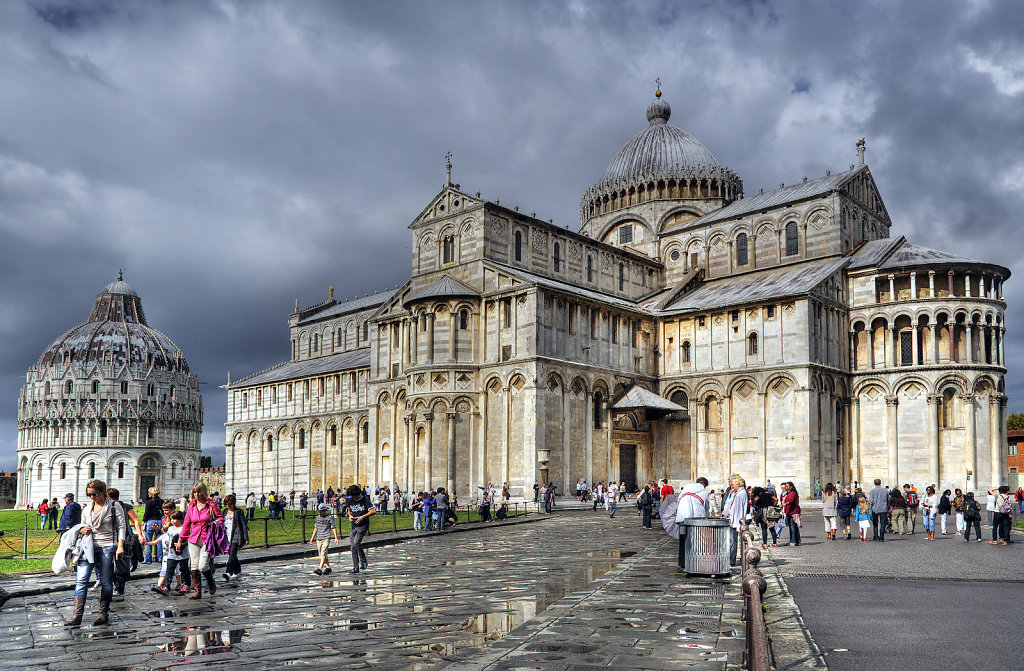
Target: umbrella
pixel 667 511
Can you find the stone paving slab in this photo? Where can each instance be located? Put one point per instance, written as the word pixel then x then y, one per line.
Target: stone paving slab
pixel 570 591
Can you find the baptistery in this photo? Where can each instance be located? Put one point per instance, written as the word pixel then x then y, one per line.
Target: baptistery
pixel 114 399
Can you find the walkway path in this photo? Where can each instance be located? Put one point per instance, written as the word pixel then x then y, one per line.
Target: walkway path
pixel 473 600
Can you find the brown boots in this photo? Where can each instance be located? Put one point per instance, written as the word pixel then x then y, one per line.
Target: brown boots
pixel 76 618
pixel 104 614
pixel 210 585
pixel 197 586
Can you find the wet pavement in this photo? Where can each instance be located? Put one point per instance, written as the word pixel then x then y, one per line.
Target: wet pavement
pixel 574 590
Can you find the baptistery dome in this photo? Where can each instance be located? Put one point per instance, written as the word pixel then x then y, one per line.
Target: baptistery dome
pixel 113 399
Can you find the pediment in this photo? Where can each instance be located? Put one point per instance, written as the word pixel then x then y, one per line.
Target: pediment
pixel 449 202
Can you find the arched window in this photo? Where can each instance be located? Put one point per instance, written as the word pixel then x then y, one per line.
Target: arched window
pixel 316 342
pixel 334 436
pixel 47 388
pixel 463 319
pixel 556 257
pixel 519 246
pixel 302 439
pixel 448 249
pixel 120 469
pixel 679 398
pixel 685 352
pixel 67 387
pixel 365 430
pixel 124 387
pixel 752 343
pixel 597 409
pixel 63 470
pixel 622 276
pixel 366 331
pixel 792 245
pixel 151 431
pixel 270 443
pixel 92 470
pixel 590 268
pixel 741 249
pixel 103 428
pixel 39 472
pixel 95 386
pixel 174 470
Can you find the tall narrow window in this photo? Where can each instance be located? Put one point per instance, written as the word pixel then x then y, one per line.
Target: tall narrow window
pixel 316 342
pixel 63 470
pixel 448 249
pixel 792 245
pixel 622 276
pixel 124 387
pixel 597 409
pixel 39 472
pixel 506 312
pixel 120 469
pixel 519 246
pixel 741 249
pixel 590 268
pixel 752 343
pixel 366 432
pixel 92 470
pixel 95 386
pixel 151 431
pixel 67 387
pixel 685 355
pixel 366 331
pixel 556 257
pixel 103 428
pixel 334 436
pixel 463 319
pixel 614 328
pixel 302 439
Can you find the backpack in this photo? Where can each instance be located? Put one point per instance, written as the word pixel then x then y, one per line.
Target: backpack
pixel 912 499
pixel 971 510
pixel 1006 505
pixel 645 499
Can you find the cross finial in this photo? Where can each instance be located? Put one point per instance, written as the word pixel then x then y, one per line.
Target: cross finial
pixel 120 275
pixel 448 168
pixel 657 81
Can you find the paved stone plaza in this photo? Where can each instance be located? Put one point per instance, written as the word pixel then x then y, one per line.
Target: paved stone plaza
pixel 469 600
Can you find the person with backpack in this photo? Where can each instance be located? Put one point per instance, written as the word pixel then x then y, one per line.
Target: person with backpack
pixel 126 565
pixel 929 505
pixel 844 510
pixel 1003 515
pixel 944 509
pixel 646 502
pixel 972 517
pixel 913 503
pixel 898 511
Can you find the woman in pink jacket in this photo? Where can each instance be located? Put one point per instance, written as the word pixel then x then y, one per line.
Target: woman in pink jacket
pixel 201 513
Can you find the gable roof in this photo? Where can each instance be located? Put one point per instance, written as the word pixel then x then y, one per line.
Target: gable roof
pixel 638 397
pixel 290 370
pixel 446 287
pixel 541 280
pixel 772 199
pixel 339 308
pixel 773 283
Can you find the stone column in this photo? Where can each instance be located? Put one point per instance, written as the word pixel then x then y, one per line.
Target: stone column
pixel 428 456
pixel 506 431
pixel 481 476
pixel 410 335
pixel 971 435
pixel 1002 351
pixel 993 353
pixel 931 284
pixel 969 332
pixel 892 287
pixel 453 350
pixel 470 488
pixel 566 463
pixel 727 430
pixel 967 286
pixel 994 432
pixel 853 351
pixel 914 353
pixel 889 358
pixel 892 436
pixel 913 285
pixel 949 282
pixel 450 486
pixel 933 438
pixel 588 446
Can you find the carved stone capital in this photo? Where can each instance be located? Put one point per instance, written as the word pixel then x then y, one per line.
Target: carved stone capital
pixel 892 400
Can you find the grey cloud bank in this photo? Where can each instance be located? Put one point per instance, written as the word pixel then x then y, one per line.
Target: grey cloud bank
pixel 234 156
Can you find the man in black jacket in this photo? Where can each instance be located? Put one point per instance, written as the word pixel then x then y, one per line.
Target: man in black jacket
pixel 151 518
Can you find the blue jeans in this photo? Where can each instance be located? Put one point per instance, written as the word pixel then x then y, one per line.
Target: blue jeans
pixel 647 516
pixel 104 562
pixel 929 522
pixel 152 531
pixel 612 507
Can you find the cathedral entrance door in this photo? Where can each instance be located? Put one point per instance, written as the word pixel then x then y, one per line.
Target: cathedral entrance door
pixel 145 482
pixel 627 466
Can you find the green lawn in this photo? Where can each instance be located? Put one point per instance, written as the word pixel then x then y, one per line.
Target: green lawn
pixel 262 531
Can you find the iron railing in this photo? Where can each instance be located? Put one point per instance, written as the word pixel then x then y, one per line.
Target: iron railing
pixel 757 654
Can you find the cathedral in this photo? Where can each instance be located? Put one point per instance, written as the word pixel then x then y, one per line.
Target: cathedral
pixel 685 329
pixel 113 399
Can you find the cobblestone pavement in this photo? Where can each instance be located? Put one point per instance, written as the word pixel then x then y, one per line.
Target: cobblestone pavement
pixel 475 600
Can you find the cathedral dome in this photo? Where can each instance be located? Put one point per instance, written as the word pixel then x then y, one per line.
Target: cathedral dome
pixel 116 333
pixel 659 149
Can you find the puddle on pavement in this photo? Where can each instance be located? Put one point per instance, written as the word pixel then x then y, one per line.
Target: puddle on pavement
pixel 204 643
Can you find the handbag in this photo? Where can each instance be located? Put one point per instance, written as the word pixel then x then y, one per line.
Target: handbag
pixel 772 513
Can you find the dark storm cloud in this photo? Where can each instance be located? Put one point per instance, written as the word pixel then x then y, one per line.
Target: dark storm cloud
pixel 234 155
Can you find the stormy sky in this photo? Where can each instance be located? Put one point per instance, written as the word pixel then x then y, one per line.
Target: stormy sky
pixel 235 156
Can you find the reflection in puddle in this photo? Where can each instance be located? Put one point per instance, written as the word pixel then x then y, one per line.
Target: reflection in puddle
pixel 204 643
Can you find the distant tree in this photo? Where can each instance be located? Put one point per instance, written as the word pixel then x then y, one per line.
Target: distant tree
pixel 207 462
pixel 1015 422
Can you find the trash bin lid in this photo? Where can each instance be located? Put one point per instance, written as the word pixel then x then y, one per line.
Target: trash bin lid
pixel 706 522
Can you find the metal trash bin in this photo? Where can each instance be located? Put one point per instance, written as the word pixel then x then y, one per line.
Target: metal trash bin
pixel 706 546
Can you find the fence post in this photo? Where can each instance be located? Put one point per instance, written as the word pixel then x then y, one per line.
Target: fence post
pixel 394 520
pixel 266 537
pixel 25 540
pixel 303 528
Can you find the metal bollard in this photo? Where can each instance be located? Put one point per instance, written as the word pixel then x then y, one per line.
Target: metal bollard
pixel 266 535
pixel 394 521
